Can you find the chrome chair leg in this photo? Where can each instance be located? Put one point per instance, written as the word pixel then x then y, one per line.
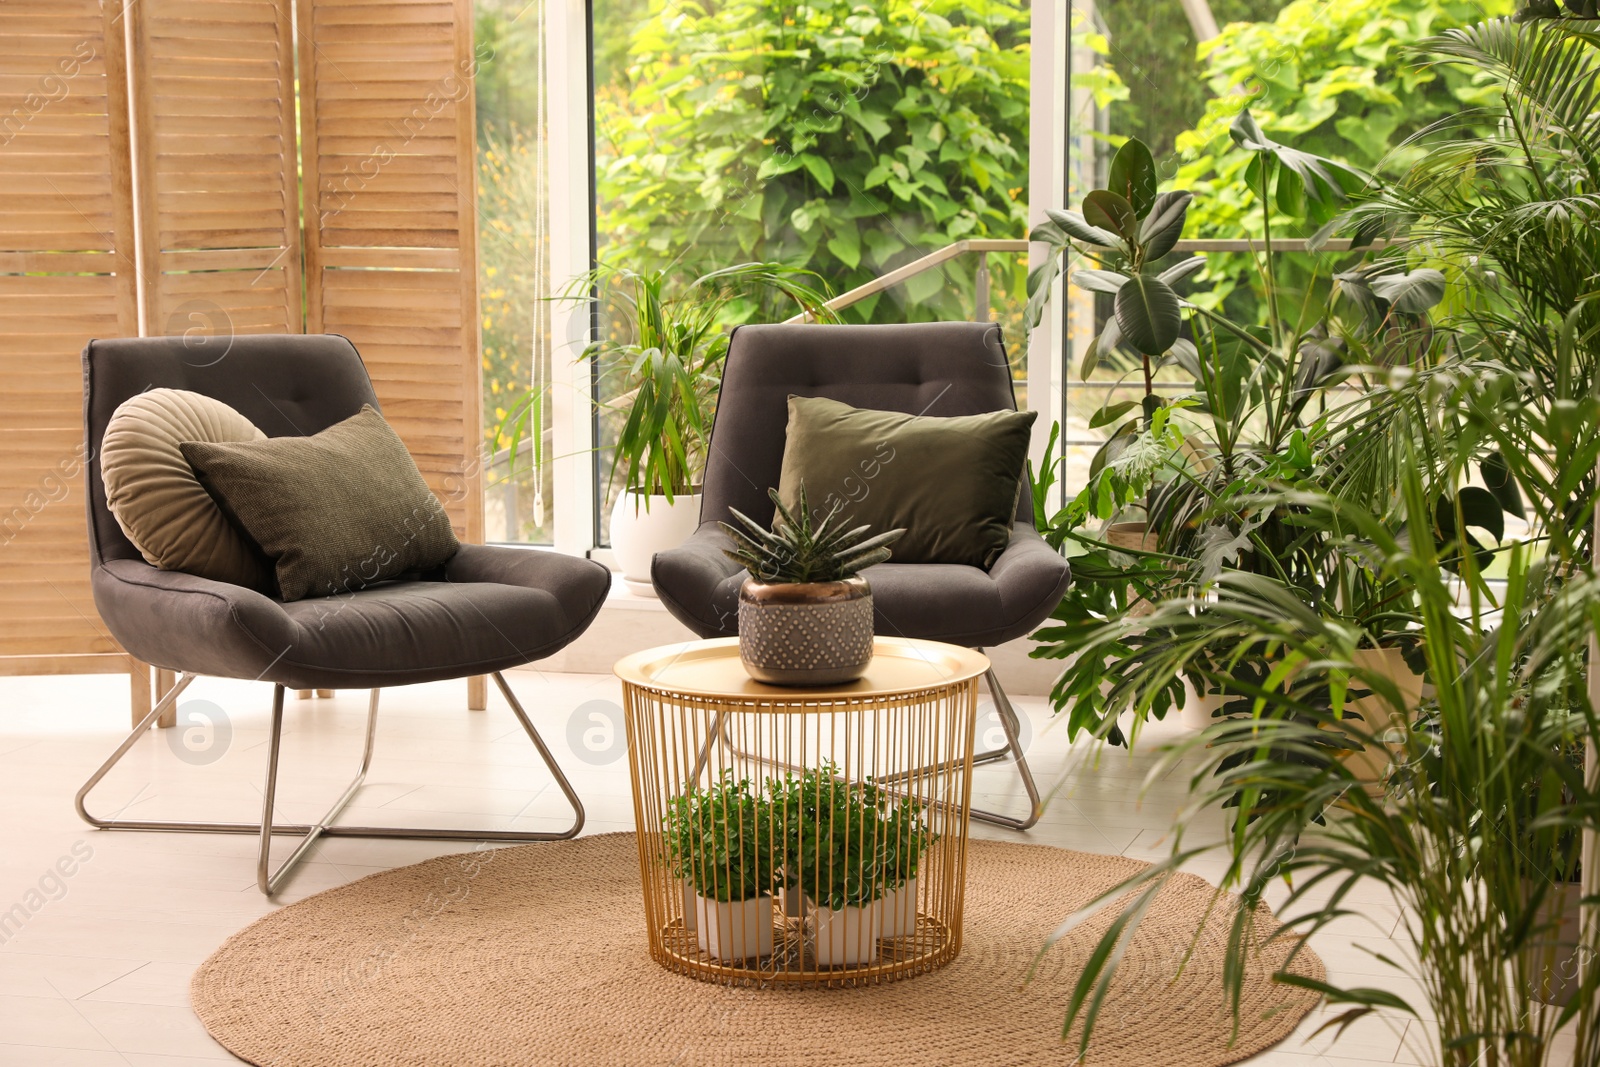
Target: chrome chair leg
pixel 325 827
pixel 1012 727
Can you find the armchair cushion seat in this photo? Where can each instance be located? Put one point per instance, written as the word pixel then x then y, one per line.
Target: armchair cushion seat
pixel 951 602
pixel 488 609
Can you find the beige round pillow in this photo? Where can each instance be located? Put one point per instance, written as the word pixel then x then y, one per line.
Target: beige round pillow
pixel 155 496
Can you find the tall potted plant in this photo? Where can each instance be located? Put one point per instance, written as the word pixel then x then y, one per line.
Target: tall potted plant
pixel 663 366
pixel 1474 830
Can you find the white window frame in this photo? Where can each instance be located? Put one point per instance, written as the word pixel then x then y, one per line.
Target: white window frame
pixel 568 77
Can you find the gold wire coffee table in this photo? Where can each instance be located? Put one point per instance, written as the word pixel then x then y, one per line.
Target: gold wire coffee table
pixel 802 836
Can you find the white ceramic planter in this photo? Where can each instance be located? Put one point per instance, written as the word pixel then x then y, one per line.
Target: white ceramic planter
pixel 734 930
pixel 689 909
pixel 639 532
pixel 848 937
pixel 899 908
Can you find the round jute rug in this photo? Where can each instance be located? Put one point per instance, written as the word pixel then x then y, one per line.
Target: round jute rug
pixel 536 955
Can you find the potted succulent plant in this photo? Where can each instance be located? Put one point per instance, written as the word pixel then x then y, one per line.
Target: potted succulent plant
pixel 721 841
pixel 908 837
pixel 836 840
pixel 805 612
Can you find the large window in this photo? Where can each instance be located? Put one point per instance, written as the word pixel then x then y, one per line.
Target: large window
pixel 1334 79
pixel 514 285
pixel 845 137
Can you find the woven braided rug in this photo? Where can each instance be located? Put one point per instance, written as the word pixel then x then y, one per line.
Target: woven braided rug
pixel 536 955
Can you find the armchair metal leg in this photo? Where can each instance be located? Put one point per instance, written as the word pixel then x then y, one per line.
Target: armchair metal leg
pixel 1013 747
pixel 324 827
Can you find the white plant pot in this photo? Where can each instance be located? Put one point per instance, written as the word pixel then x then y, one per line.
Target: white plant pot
pixel 900 910
pixel 848 937
pixel 687 888
pixel 734 930
pixel 639 532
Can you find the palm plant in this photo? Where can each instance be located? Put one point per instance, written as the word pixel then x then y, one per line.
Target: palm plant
pixel 668 365
pixel 1473 828
pixel 1261 413
pixel 1508 207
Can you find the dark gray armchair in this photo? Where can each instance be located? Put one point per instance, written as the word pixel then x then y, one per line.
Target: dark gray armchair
pixel 940 368
pixel 486 610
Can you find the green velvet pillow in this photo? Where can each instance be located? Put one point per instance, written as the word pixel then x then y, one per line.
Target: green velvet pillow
pixel 336 511
pixel 951 483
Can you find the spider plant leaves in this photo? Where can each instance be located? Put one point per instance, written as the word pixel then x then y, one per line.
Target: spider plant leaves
pixel 1149 315
pixel 1163 227
pixel 1133 177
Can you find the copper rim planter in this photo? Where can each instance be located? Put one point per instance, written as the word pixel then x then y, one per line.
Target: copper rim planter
pixel 805 633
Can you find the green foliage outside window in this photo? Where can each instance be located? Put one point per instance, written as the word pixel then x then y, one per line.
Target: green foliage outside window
pixel 1338 80
pixel 842 137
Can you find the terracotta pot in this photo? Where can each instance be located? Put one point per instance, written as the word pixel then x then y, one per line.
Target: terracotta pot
pixel 811 633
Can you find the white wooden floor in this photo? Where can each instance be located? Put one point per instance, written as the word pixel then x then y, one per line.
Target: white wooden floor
pixel 98 972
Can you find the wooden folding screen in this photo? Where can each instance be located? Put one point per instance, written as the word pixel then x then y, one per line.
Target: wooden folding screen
pixel 213 92
pixel 66 275
pixel 359 220
pixel 388 156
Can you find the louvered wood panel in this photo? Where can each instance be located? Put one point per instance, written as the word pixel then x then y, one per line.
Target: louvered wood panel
pixel 387 150
pixel 66 276
pixel 213 88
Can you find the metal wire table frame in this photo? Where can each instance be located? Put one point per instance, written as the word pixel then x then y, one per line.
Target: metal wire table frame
pixel 802 836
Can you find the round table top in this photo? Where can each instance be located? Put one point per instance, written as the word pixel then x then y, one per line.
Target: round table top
pixel 712 668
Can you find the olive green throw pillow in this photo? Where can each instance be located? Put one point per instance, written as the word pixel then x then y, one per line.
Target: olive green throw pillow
pixel 951 483
pixel 336 511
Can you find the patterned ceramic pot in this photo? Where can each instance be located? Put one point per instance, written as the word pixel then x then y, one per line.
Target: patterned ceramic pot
pixel 814 633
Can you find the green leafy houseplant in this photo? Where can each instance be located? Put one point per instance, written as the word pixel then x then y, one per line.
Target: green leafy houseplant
pixel 1472 829
pixel 1256 416
pixel 723 839
pixel 665 364
pixel 836 838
